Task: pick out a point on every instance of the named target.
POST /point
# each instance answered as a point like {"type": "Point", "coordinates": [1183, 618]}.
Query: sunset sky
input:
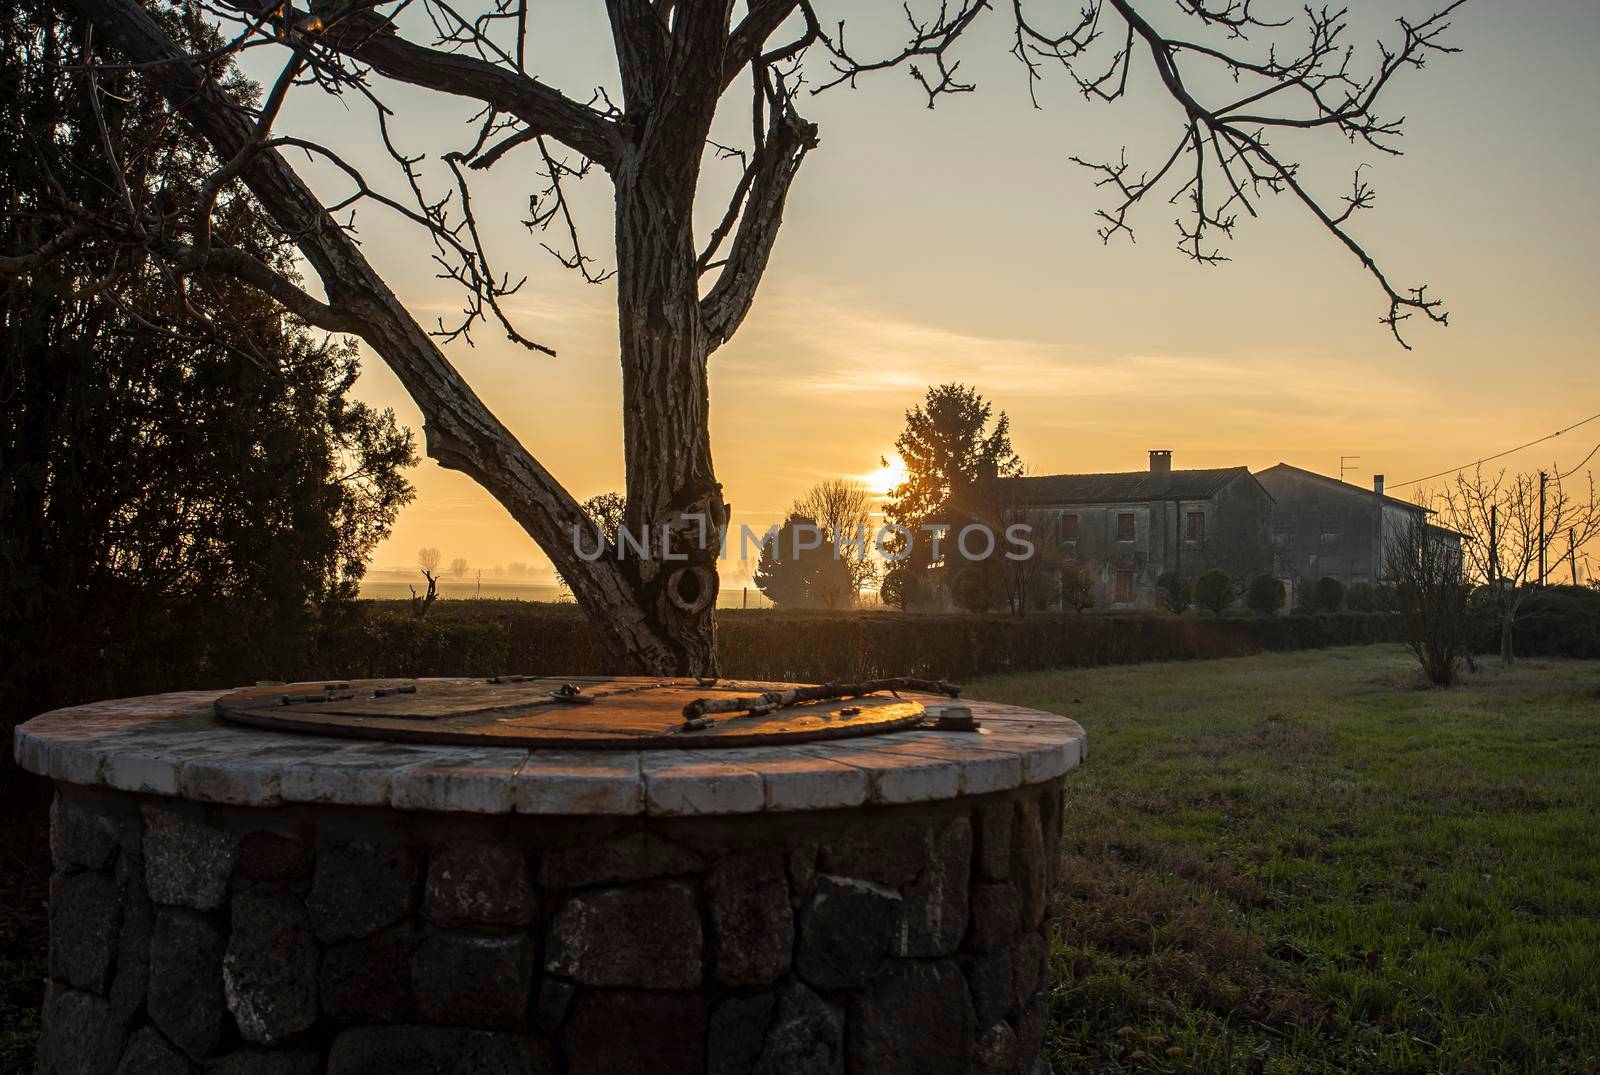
{"type": "Point", "coordinates": [959, 245]}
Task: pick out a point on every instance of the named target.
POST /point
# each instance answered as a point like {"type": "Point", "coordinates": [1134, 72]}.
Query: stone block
{"type": "Point", "coordinates": [752, 924]}
{"type": "Point", "coordinates": [478, 884]}
{"type": "Point", "coordinates": [1030, 1026]}
{"type": "Point", "coordinates": [806, 1036]}
{"type": "Point", "coordinates": [85, 913]}
{"type": "Point", "coordinates": [846, 929]}
{"type": "Point", "coordinates": [368, 979]}
{"type": "Point", "coordinates": [638, 856]}
{"type": "Point", "coordinates": [462, 979]}
{"type": "Point", "coordinates": [994, 841]}
{"type": "Point", "coordinates": [185, 997]}
{"type": "Point", "coordinates": [935, 918]}
{"type": "Point", "coordinates": [80, 1035]}
{"type": "Point", "coordinates": [644, 936]}
{"type": "Point", "coordinates": [148, 1053]}
{"type": "Point", "coordinates": [360, 887]}
{"type": "Point", "coordinates": [682, 783]}
{"type": "Point", "coordinates": [265, 1062]}
{"type": "Point", "coordinates": [427, 1050]}
{"type": "Point", "coordinates": [737, 1033]}
{"type": "Point", "coordinates": [1051, 805]}
{"type": "Point", "coordinates": [187, 861]}
{"type": "Point", "coordinates": [996, 1052]}
{"type": "Point", "coordinates": [996, 915]}
{"type": "Point", "coordinates": [611, 1031]}
{"type": "Point", "coordinates": [803, 871]}
{"type": "Point", "coordinates": [1028, 863]}
{"type": "Point", "coordinates": [916, 1017]}
{"type": "Point", "coordinates": [555, 997]}
{"type": "Point", "coordinates": [1030, 966]}
{"type": "Point", "coordinates": [888, 853]}
{"type": "Point", "coordinates": [272, 856]}
{"type": "Point", "coordinates": [80, 837]}
{"type": "Point", "coordinates": [992, 984]}
{"type": "Point", "coordinates": [132, 972]}
{"type": "Point", "coordinates": [269, 974]}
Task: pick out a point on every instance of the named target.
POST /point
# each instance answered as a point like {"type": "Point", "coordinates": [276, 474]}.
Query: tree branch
{"type": "Point", "coordinates": [371, 39]}
{"type": "Point", "coordinates": [765, 188]}
{"type": "Point", "coordinates": [462, 434]}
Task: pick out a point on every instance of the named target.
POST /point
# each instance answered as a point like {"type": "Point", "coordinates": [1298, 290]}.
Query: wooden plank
{"type": "Point", "coordinates": [618, 713]}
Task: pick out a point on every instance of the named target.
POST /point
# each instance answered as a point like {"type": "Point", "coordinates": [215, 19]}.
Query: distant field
{"type": "Point", "coordinates": [1303, 863]}
{"type": "Point", "coordinates": [396, 586]}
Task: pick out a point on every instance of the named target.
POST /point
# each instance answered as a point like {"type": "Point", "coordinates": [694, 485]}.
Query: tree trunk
{"type": "Point", "coordinates": [1506, 656]}
{"type": "Point", "coordinates": [675, 511]}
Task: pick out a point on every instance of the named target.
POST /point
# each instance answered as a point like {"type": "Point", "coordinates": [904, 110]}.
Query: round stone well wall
{"type": "Point", "coordinates": [231, 900]}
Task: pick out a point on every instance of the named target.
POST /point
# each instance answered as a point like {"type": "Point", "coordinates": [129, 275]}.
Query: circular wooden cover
{"type": "Point", "coordinates": [584, 713]}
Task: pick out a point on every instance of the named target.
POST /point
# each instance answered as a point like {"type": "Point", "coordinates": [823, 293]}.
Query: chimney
{"type": "Point", "coordinates": [1160, 470]}
{"type": "Point", "coordinates": [1377, 484]}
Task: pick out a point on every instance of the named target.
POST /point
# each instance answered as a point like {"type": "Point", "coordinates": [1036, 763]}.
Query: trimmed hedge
{"type": "Point", "coordinates": [496, 637]}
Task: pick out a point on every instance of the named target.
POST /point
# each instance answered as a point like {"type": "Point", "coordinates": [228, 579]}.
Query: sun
{"type": "Point", "coordinates": [887, 477]}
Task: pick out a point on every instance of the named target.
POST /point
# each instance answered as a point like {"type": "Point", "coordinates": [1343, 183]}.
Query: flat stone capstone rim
{"type": "Point", "coordinates": [175, 745]}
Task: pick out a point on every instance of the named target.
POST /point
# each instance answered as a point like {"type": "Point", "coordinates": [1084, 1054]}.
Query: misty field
{"type": "Point", "coordinates": [1303, 862]}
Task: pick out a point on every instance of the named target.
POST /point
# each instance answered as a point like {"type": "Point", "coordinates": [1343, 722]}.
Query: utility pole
{"type": "Point", "coordinates": [1494, 551]}
{"type": "Point", "coordinates": [1572, 554]}
{"type": "Point", "coordinates": [1543, 478]}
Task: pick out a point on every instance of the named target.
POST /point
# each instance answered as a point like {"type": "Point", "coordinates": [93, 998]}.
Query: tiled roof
{"type": "Point", "coordinates": [1127, 486]}
{"type": "Point", "coordinates": [1286, 471]}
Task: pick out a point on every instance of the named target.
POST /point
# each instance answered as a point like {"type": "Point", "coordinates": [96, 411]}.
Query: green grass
{"type": "Point", "coordinates": [1305, 862]}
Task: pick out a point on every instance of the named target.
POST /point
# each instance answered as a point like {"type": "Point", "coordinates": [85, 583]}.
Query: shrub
{"type": "Point", "coordinates": [1077, 589]}
{"type": "Point", "coordinates": [974, 590]}
{"type": "Point", "coordinates": [1174, 591]}
{"type": "Point", "coordinates": [1361, 597]}
{"type": "Point", "coordinates": [1329, 594]}
{"type": "Point", "coordinates": [1214, 590]}
{"type": "Point", "coordinates": [470, 637]}
{"type": "Point", "coordinates": [1559, 621]}
{"type": "Point", "coordinates": [900, 588]}
{"type": "Point", "coordinates": [1265, 595]}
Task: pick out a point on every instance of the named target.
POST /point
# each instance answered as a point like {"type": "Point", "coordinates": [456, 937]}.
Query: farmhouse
{"type": "Point", "coordinates": [1324, 527]}
{"type": "Point", "coordinates": [1129, 528]}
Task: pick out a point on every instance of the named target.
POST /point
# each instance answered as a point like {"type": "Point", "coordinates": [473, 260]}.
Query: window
{"type": "Point", "coordinates": [1125, 526]}
{"type": "Point", "coordinates": [1123, 591]}
{"type": "Point", "coordinates": [1069, 528]}
{"type": "Point", "coordinates": [1330, 527]}
{"type": "Point", "coordinates": [1282, 529]}
{"type": "Point", "coordinates": [1195, 530]}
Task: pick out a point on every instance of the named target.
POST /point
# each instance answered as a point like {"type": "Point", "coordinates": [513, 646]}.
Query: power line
{"type": "Point", "coordinates": [1498, 455]}
{"type": "Point", "coordinates": [1579, 467]}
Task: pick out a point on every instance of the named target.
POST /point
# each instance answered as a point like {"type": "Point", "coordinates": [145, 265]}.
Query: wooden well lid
{"type": "Point", "coordinates": [574, 713]}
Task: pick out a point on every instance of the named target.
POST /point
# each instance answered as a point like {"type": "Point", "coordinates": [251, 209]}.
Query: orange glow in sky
{"type": "Point", "coordinates": [959, 244]}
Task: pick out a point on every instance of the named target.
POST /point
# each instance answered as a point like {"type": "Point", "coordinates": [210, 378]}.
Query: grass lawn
{"type": "Point", "coordinates": [1305, 862]}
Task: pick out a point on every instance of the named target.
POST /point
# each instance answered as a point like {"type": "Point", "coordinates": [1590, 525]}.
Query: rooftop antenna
{"type": "Point", "coordinates": [1344, 461]}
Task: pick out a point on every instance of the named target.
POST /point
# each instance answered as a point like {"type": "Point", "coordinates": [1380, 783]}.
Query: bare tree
{"type": "Point", "coordinates": [1026, 549]}
{"type": "Point", "coordinates": [420, 603]}
{"type": "Point", "coordinates": [1508, 525]}
{"type": "Point", "coordinates": [843, 509]}
{"type": "Point", "coordinates": [428, 560]}
{"type": "Point", "coordinates": [1236, 81]}
{"type": "Point", "coordinates": [1424, 564]}
{"type": "Point", "coordinates": [458, 567]}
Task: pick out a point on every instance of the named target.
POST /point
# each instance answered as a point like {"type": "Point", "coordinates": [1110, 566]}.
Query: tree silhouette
{"type": "Point", "coordinates": [1235, 80]}
{"type": "Point", "coordinates": [949, 448]}
{"type": "Point", "coordinates": [843, 509]}
{"type": "Point", "coordinates": [799, 568]}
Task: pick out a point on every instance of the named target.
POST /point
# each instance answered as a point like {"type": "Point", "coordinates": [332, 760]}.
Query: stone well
{"type": "Point", "coordinates": [228, 899]}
